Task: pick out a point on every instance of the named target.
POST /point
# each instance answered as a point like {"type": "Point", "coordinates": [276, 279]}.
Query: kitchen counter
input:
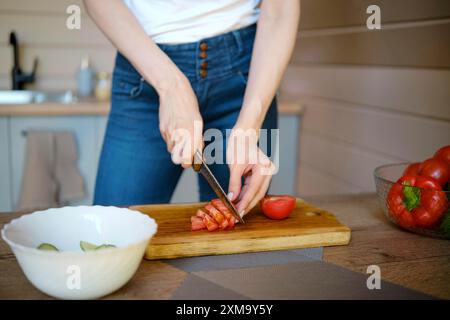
{"type": "Point", "coordinates": [410, 264]}
{"type": "Point", "coordinates": [91, 107]}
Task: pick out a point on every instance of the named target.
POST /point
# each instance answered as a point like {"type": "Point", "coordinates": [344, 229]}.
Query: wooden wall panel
{"type": "Point", "coordinates": [317, 14]}
{"type": "Point", "coordinates": [313, 181]}
{"type": "Point", "coordinates": [41, 30]}
{"type": "Point", "coordinates": [399, 136]}
{"type": "Point", "coordinates": [342, 160]}
{"type": "Point", "coordinates": [422, 92]}
{"type": "Point", "coordinates": [57, 61]}
{"type": "Point", "coordinates": [370, 97]}
{"type": "Point", "coordinates": [49, 29]}
{"type": "Point", "coordinates": [53, 83]}
{"type": "Point", "coordinates": [425, 46]}
{"type": "Point", "coordinates": [38, 6]}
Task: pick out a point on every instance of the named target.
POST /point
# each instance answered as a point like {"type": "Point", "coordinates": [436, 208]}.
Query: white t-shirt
{"type": "Point", "coordinates": [183, 21]}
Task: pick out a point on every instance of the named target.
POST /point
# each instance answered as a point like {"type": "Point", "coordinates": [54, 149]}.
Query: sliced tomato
{"type": "Point", "coordinates": [200, 213]}
{"type": "Point", "coordinates": [219, 205]}
{"type": "Point", "coordinates": [224, 209]}
{"type": "Point", "coordinates": [217, 215]}
{"type": "Point", "coordinates": [197, 223]}
{"type": "Point", "coordinates": [210, 223]}
{"type": "Point", "coordinates": [231, 221]}
{"type": "Point", "coordinates": [277, 207]}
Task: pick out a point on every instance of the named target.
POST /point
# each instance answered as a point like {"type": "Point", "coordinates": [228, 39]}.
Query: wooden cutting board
{"type": "Point", "coordinates": [307, 227]}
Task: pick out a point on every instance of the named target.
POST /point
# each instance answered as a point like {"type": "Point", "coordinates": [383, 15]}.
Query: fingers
{"type": "Point", "coordinates": [234, 186]}
{"type": "Point", "coordinates": [189, 149]}
{"type": "Point", "coordinates": [253, 184]}
{"type": "Point", "coordinates": [182, 143]}
{"type": "Point", "coordinates": [177, 152]}
{"type": "Point", "coordinates": [260, 194]}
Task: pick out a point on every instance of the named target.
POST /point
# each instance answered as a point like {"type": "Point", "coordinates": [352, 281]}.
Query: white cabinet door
{"type": "Point", "coordinates": [5, 167]}
{"type": "Point", "coordinates": [85, 131]}
{"type": "Point", "coordinates": [283, 182]}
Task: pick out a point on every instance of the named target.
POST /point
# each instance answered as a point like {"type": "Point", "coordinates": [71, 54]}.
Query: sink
{"type": "Point", "coordinates": [28, 97]}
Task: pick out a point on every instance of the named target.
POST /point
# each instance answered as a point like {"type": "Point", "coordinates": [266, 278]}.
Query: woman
{"type": "Point", "coordinates": [188, 66]}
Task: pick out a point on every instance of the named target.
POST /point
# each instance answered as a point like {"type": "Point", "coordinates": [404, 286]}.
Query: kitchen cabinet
{"type": "Point", "coordinates": [5, 165]}
{"type": "Point", "coordinates": [85, 130]}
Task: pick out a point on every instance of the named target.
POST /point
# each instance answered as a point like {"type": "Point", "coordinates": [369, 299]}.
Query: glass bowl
{"type": "Point", "coordinates": [386, 177]}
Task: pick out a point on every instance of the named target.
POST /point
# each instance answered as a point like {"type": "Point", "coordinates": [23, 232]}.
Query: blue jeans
{"type": "Point", "coordinates": [135, 166]}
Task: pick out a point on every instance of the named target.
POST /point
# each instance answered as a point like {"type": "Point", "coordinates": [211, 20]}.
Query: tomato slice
{"type": "Point", "coordinates": [217, 215]}
{"type": "Point", "coordinates": [277, 207]}
{"type": "Point", "coordinates": [211, 225]}
{"type": "Point", "coordinates": [197, 223]}
{"type": "Point", "coordinates": [200, 213]}
{"type": "Point", "coordinates": [219, 205]}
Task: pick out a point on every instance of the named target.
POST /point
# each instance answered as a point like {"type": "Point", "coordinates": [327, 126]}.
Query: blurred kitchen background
{"type": "Point", "coordinates": [352, 98]}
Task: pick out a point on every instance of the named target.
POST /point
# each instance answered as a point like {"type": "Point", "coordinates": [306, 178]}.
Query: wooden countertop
{"type": "Point", "coordinates": [410, 260]}
{"type": "Point", "coordinates": [406, 259]}
{"type": "Point", "coordinates": [81, 108]}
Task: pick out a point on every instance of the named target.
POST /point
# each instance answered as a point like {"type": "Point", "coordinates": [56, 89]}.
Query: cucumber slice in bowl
{"type": "Point", "coordinates": [47, 247]}
{"type": "Point", "coordinates": [87, 246]}
{"type": "Point", "coordinates": [105, 246]}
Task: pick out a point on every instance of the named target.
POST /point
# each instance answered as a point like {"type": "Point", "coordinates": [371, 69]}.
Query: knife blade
{"type": "Point", "coordinates": [201, 167]}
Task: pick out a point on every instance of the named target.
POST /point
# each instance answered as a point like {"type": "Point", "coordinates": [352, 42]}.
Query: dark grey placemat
{"type": "Point", "coordinates": [196, 288]}
{"type": "Point", "coordinates": [304, 280]}
{"type": "Point", "coordinates": [245, 260]}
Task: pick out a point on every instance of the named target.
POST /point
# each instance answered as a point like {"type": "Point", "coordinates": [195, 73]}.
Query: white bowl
{"type": "Point", "coordinates": [72, 273]}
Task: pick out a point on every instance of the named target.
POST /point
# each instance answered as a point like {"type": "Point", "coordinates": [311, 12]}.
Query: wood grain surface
{"type": "Point", "coordinates": [407, 259]}
{"type": "Point", "coordinates": [306, 227]}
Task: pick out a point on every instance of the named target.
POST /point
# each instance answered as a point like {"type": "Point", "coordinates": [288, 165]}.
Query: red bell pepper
{"type": "Point", "coordinates": [416, 201]}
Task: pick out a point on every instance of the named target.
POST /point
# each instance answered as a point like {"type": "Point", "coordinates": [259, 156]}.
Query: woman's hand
{"type": "Point", "coordinates": [247, 160]}
{"type": "Point", "coordinates": [180, 121]}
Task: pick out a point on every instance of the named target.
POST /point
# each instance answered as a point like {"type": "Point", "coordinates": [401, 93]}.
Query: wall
{"type": "Point", "coordinates": [41, 30]}
{"type": "Point", "coordinates": [371, 96]}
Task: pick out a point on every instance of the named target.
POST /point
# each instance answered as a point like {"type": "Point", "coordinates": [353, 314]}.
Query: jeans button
{"type": "Point", "coordinates": [203, 46]}
{"type": "Point", "coordinates": [203, 54]}
{"type": "Point", "coordinates": [203, 73]}
{"type": "Point", "coordinates": [204, 65]}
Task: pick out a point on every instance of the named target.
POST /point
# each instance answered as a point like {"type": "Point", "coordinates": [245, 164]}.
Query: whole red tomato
{"type": "Point", "coordinates": [437, 169]}
{"type": "Point", "coordinates": [416, 201]}
{"type": "Point", "coordinates": [412, 169]}
{"type": "Point", "coordinates": [443, 154]}
{"type": "Point", "coordinates": [277, 207]}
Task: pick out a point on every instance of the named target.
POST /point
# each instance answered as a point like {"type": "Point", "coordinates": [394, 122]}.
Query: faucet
{"type": "Point", "coordinates": [19, 78]}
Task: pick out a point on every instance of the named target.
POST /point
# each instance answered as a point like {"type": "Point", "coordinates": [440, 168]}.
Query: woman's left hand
{"type": "Point", "coordinates": [246, 159]}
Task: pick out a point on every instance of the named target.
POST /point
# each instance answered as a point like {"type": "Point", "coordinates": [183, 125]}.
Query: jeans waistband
{"type": "Point", "coordinates": [210, 57]}
{"type": "Point", "coordinates": [236, 38]}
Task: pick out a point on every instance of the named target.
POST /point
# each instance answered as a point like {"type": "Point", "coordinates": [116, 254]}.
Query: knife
{"type": "Point", "coordinates": [200, 166]}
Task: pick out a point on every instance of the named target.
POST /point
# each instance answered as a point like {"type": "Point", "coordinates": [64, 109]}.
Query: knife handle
{"type": "Point", "coordinates": [198, 160]}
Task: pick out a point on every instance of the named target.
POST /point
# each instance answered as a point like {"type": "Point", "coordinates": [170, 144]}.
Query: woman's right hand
{"type": "Point", "coordinates": [180, 122]}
